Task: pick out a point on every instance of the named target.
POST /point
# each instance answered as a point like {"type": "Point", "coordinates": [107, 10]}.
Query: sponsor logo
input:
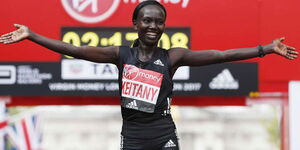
{"type": "Point", "coordinates": [131, 72]}
{"type": "Point", "coordinates": [7, 74]}
{"type": "Point", "coordinates": [170, 143]}
{"type": "Point", "coordinates": [158, 62]}
{"type": "Point", "coordinates": [76, 69]}
{"type": "Point", "coordinates": [90, 11]}
{"type": "Point", "coordinates": [94, 11]}
{"type": "Point", "coordinates": [132, 105]}
{"type": "Point", "coordinates": [224, 81]}
{"type": "Point", "coordinates": [141, 84]}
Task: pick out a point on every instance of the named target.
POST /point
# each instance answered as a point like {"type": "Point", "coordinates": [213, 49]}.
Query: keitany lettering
{"type": "Point", "coordinates": [138, 90]}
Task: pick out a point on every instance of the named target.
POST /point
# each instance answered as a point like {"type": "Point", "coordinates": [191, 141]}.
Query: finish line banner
{"type": "Point", "coordinates": [73, 77]}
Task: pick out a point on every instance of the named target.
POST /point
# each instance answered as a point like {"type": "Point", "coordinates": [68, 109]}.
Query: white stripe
{"type": "Point", "coordinates": [20, 136]}
{"type": "Point", "coordinates": [4, 73]}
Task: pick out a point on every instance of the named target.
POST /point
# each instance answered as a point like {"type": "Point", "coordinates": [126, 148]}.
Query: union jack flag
{"type": "Point", "coordinates": [25, 133]}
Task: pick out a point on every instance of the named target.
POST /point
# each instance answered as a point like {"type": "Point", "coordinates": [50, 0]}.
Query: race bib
{"type": "Point", "coordinates": [140, 88]}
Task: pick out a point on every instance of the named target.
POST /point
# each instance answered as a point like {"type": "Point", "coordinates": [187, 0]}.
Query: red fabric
{"type": "Point", "coordinates": [3, 124]}
{"type": "Point", "coordinates": [26, 134]}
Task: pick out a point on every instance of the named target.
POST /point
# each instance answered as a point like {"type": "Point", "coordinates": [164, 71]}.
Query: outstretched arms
{"type": "Point", "coordinates": [184, 57]}
{"type": "Point", "coordinates": [96, 54]}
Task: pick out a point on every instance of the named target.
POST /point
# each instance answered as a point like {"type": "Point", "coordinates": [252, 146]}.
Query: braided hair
{"type": "Point", "coordinates": [137, 10]}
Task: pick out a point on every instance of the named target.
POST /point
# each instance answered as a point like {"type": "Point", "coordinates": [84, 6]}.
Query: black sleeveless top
{"type": "Point", "coordinates": [145, 90]}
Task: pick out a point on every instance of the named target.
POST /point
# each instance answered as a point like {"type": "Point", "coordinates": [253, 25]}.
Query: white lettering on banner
{"type": "Point", "coordinates": [177, 87]}
{"type": "Point", "coordinates": [111, 86]}
{"type": "Point", "coordinates": [89, 86]}
{"type": "Point", "coordinates": [193, 86]}
{"type": "Point", "coordinates": [27, 74]}
{"type": "Point", "coordinates": [141, 84]}
{"type": "Point", "coordinates": [86, 86]}
{"type": "Point", "coordinates": [62, 86]}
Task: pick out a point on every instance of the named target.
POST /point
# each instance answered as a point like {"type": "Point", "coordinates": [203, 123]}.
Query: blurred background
{"type": "Point", "coordinates": [49, 101]}
{"type": "Point", "coordinates": [205, 128]}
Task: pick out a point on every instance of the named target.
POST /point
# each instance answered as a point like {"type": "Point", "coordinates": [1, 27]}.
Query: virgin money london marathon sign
{"type": "Point", "coordinates": [53, 79]}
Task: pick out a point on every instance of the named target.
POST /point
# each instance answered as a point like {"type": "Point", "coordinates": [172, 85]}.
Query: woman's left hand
{"type": "Point", "coordinates": [284, 50]}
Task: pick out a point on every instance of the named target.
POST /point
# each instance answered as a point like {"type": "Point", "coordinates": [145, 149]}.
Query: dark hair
{"type": "Point", "coordinates": [146, 3]}
{"type": "Point", "coordinates": [142, 5]}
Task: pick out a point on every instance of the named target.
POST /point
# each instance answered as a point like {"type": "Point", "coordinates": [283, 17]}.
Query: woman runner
{"type": "Point", "coordinates": [146, 71]}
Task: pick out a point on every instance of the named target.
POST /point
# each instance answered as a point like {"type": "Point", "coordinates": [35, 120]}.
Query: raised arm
{"type": "Point", "coordinates": [95, 54]}
{"type": "Point", "coordinates": [184, 57]}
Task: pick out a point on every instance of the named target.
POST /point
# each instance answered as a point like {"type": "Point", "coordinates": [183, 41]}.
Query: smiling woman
{"type": "Point", "coordinates": [146, 71]}
{"type": "Point", "coordinates": [149, 22]}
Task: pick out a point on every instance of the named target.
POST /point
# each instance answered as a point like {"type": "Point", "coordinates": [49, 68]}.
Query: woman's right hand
{"type": "Point", "coordinates": [18, 35]}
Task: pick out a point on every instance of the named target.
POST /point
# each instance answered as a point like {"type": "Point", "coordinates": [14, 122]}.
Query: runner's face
{"type": "Point", "coordinates": [150, 24]}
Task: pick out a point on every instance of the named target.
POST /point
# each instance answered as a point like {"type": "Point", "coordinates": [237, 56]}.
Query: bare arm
{"type": "Point", "coordinates": [96, 54]}
{"type": "Point", "coordinates": [184, 57]}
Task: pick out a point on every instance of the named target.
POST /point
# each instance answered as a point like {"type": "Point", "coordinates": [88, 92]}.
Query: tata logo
{"type": "Point", "coordinates": [90, 11]}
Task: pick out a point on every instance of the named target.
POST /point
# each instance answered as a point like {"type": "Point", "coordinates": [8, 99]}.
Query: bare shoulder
{"type": "Point", "coordinates": [178, 52]}
{"type": "Point", "coordinates": [114, 49]}
{"type": "Point", "coordinates": [176, 56]}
